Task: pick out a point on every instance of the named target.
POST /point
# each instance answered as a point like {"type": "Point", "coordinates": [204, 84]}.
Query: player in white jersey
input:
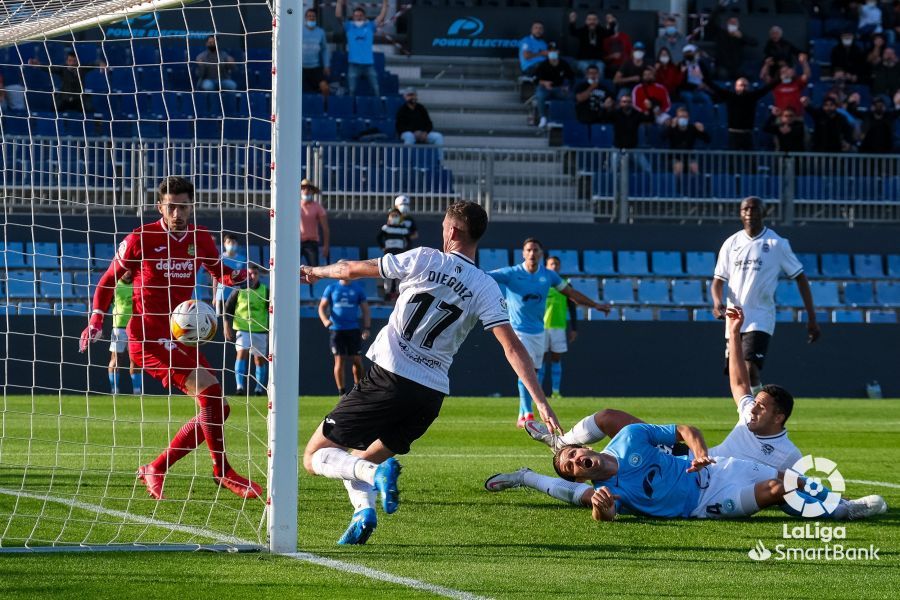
{"type": "Point", "coordinates": [442, 295]}
{"type": "Point", "coordinates": [750, 262]}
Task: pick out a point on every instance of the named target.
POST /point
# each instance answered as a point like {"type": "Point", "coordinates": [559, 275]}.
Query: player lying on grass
{"type": "Point", "coordinates": [164, 258]}
{"type": "Point", "coordinates": [442, 295]}
{"type": "Point", "coordinates": [732, 487]}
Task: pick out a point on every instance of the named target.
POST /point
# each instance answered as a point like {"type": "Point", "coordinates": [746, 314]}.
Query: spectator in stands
{"type": "Point", "coordinates": [788, 130]}
{"type": "Point", "coordinates": [532, 49]}
{"type": "Point", "coordinates": [668, 73]}
{"type": "Point", "coordinates": [590, 95]}
{"type": "Point", "coordinates": [878, 128]}
{"type": "Point", "coordinates": [393, 238]}
{"type": "Point", "coordinates": [873, 58]}
{"type": "Point", "coordinates": [831, 131]}
{"type": "Point", "coordinates": [849, 57]}
{"type": "Point", "coordinates": [413, 122]}
{"type": "Point", "coordinates": [696, 71]}
{"type": "Point", "coordinates": [651, 97]}
{"type": "Point", "coordinates": [869, 19]}
{"type": "Point", "coordinates": [316, 57]}
{"type": "Point", "coordinates": [554, 77]}
{"type": "Point", "coordinates": [731, 44]}
{"type": "Point", "coordinates": [360, 32]}
{"type": "Point", "coordinates": [626, 121]}
{"type": "Point", "coordinates": [12, 96]}
{"type": "Point", "coordinates": [214, 68]}
{"type": "Point", "coordinates": [891, 22]}
{"type": "Point", "coordinates": [671, 40]}
{"type": "Point", "coordinates": [683, 135]}
{"type": "Point", "coordinates": [71, 96]}
{"type": "Point", "coordinates": [403, 204]}
{"type": "Point", "coordinates": [629, 74]}
{"type": "Point", "coordinates": [886, 75]}
{"type": "Point", "coordinates": [779, 49]}
{"type": "Point", "coordinates": [313, 216]}
{"type": "Point", "coordinates": [840, 88]}
{"type": "Point", "coordinates": [788, 88]}
{"type": "Point", "coordinates": [590, 39]}
{"type": "Point", "coordinates": [741, 105]}
{"type": "Point", "coordinates": [617, 48]}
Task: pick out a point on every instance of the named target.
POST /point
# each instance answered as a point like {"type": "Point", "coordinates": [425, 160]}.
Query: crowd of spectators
{"type": "Point", "coordinates": [772, 93]}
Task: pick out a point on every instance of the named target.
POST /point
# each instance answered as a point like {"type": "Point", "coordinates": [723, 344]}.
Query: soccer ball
{"type": "Point", "coordinates": [193, 323]}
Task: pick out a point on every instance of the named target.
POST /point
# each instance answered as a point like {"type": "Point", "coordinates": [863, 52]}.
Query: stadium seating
{"type": "Point", "coordinates": [667, 263]}
{"type": "Point", "coordinates": [653, 291]}
{"type": "Point", "coordinates": [881, 316]}
{"type": "Point", "coordinates": [587, 286]}
{"type": "Point", "coordinates": [674, 314]}
{"type": "Point", "coordinates": [618, 291]}
{"type": "Point", "coordinates": [810, 264]}
{"type": "Point", "coordinates": [859, 293]}
{"type": "Point", "coordinates": [888, 293]}
{"type": "Point", "coordinates": [784, 315]}
{"type": "Point", "coordinates": [825, 293]}
{"type": "Point", "coordinates": [632, 262]}
{"type": "Point", "coordinates": [599, 262]}
{"type": "Point", "coordinates": [868, 265]}
{"type": "Point", "coordinates": [786, 294]}
{"type": "Point", "coordinates": [703, 314]}
{"type": "Point", "coordinates": [836, 266]}
{"type": "Point", "coordinates": [633, 313]}
{"type": "Point", "coordinates": [893, 266]}
{"type": "Point", "coordinates": [847, 316]}
{"type": "Point", "coordinates": [599, 315]}
{"type": "Point", "coordinates": [687, 292]}
{"type": "Point", "coordinates": [488, 258]}
{"type": "Point", "coordinates": [568, 261]}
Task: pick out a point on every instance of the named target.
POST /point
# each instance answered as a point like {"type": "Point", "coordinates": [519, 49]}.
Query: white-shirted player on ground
{"type": "Point", "coordinates": [759, 437]}
{"type": "Point", "coordinates": [442, 295]}
{"type": "Point", "coordinates": [750, 262]}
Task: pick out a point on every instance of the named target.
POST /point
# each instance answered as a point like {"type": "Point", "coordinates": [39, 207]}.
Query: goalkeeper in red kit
{"type": "Point", "coordinates": [163, 257]}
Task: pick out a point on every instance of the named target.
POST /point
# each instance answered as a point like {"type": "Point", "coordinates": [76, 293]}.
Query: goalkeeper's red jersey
{"type": "Point", "coordinates": [164, 265]}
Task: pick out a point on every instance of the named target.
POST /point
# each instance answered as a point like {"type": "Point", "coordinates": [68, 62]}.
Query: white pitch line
{"type": "Point", "coordinates": [207, 533]}
{"type": "Point", "coordinates": [878, 483]}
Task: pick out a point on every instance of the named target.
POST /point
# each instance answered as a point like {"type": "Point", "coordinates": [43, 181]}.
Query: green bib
{"type": "Point", "coordinates": [557, 312]}
{"type": "Point", "coordinates": [122, 307]}
{"type": "Point", "coordinates": [252, 311]}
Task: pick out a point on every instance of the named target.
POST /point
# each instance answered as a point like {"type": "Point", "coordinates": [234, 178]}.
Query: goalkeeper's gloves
{"type": "Point", "coordinates": [92, 332]}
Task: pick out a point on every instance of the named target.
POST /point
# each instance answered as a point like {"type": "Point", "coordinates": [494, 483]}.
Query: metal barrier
{"type": "Point", "coordinates": [553, 184]}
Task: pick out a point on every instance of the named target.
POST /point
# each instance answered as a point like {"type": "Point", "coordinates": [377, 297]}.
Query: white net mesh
{"type": "Point", "coordinates": [90, 122]}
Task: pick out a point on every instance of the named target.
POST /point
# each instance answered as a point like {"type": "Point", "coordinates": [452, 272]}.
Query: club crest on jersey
{"type": "Point", "coordinates": [503, 305]}
{"type": "Point", "coordinates": [192, 253]}
{"type": "Point", "coordinates": [458, 269]}
{"type": "Point", "coordinates": [765, 247]}
{"type": "Point", "coordinates": [123, 247]}
{"type": "Point", "coordinates": [767, 449]}
{"type": "Point", "coordinates": [635, 460]}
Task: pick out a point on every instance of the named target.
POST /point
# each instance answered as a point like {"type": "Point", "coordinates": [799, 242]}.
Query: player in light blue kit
{"type": "Point", "coordinates": [527, 285]}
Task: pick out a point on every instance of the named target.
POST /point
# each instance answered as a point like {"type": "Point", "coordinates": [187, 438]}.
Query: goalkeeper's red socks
{"type": "Point", "coordinates": [185, 441]}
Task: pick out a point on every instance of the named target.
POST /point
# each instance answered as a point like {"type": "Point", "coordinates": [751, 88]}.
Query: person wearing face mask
{"type": "Point", "coordinates": [234, 258]}
{"type": "Point", "coordinates": [877, 127]}
{"type": "Point", "coordinates": [554, 77]}
{"type": "Point", "coordinates": [316, 57]}
{"type": "Point", "coordinates": [869, 19]}
{"type": "Point", "coordinates": [360, 32]}
{"type": "Point", "coordinates": [312, 216]}
{"type": "Point", "coordinates": [683, 135]}
{"type": "Point", "coordinates": [402, 203]}
{"type": "Point", "coordinates": [629, 74]}
{"type": "Point", "coordinates": [590, 40]}
{"type": "Point", "coordinates": [413, 123]}
{"type": "Point", "coordinates": [651, 97]}
{"type": "Point", "coordinates": [789, 131]}
{"type": "Point", "coordinates": [831, 131]}
{"type": "Point", "coordinates": [695, 70]}
{"type": "Point", "coordinates": [394, 237]}
{"type": "Point", "coordinates": [788, 88]}
{"type": "Point", "coordinates": [668, 74]}
{"type": "Point", "coordinates": [671, 40]}
{"type": "Point", "coordinates": [617, 48]}
{"type": "Point", "coordinates": [214, 67]}
{"type": "Point", "coordinates": [532, 49]}
{"type": "Point", "coordinates": [590, 94]}
{"type": "Point", "coordinates": [731, 45]}
{"type": "Point", "coordinates": [886, 75]}
{"type": "Point", "coordinates": [849, 57]}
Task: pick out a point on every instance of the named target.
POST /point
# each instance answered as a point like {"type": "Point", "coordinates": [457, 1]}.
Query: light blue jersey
{"type": "Point", "coordinates": [526, 295]}
{"type": "Point", "coordinates": [650, 481]}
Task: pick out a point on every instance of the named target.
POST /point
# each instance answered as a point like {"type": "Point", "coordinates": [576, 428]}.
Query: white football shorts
{"type": "Point", "coordinates": [118, 340]}
{"type": "Point", "coordinates": [555, 341]}
{"type": "Point", "coordinates": [257, 343]}
{"type": "Point", "coordinates": [727, 490]}
{"type": "Point", "coordinates": [534, 344]}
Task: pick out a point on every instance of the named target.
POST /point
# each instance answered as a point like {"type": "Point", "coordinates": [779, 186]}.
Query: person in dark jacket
{"type": "Point", "coordinates": [590, 95]}
{"type": "Point", "coordinates": [683, 135]}
{"type": "Point", "coordinates": [877, 128]}
{"type": "Point", "coordinates": [832, 132]}
{"type": "Point", "coordinates": [590, 39]}
{"type": "Point", "coordinates": [413, 123]}
{"type": "Point", "coordinates": [626, 121]}
{"type": "Point", "coordinates": [849, 57]}
{"type": "Point", "coordinates": [788, 130]}
{"type": "Point", "coordinates": [741, 104]}
{"type": "Point", "coordinates": [730, 46]}
{"type": "Point", "coordinates": [71, 96]}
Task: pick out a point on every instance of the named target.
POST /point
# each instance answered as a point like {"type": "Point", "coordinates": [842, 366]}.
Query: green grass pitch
{"type": "Point", "coordinates": [448, 531]}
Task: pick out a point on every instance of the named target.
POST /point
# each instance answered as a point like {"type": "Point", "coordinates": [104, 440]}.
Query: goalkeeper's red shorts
{"type": "Point", "coordinates": [169, 362]}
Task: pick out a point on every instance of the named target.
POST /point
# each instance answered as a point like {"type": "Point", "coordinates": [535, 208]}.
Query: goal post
{"type": "Point", "coordinates": [78, 171]}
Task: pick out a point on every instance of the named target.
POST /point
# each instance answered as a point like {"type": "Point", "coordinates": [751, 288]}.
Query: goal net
{"type": "Point", "coordinates": [99, 101]}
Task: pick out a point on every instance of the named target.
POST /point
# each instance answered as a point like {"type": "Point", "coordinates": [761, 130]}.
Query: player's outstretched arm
{"type": "Point", "coordinates": [521, 363]}
{"type": "Point", "coordinates": [103, 297]}
{"type": "Point", "coordinates": [738, 373]}
{"type": "Point", "coordinates": [582, 300]}
{"type": "Point", "coordinates": [717, 291]}
{"type": "Point", "coordinates": [693, 437]}
{"type": "Point", "coordinates": [348, 269]}
{"type": "Point", "coordinates": [812, 325]}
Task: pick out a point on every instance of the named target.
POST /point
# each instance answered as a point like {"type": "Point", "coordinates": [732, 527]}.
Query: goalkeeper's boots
{"type": "Point", "coordinates": [541, 433]}
{"type": "Point", "coordinates": [153, 480]}
{"type": "Point", "coordinates": [238, 485]}
{"type": "Point", "coordinates": [386, 483]}
{"type": "Point", "coordinates": [865, 507]}
{"type": "Point", "coordinates": [361, 527]}
{"type": "Point", "coordinates": [506, 481]}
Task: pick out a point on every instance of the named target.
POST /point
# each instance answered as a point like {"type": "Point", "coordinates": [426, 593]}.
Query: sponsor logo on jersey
{"type": "Point", "coordinates": [191, 250]}
{"type": "Point", "coordinates": [648, 479]}
{"type": "Point", "coordinates": [431, 363]}
{"type": "Point", "coordinates": [159, 248]}
{"type": "Point", "coordinates": [451, 282]}
{"type": "Point", "coordinates": [635, 460]}
{"type": "Point", "coordinates": [532, 298]}
{"type": "Point", "coordinates": [177, 269]}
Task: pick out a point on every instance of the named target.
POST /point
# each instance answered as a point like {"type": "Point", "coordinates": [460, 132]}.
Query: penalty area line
{"type": "Point", "coordinates": [235, 541]}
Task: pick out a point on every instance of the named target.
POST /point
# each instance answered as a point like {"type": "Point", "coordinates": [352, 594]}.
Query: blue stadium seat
{"type": "Point", "coordinates": [888, 293]}
{"type": "Point", "coordinates": [340, 106]}
{"type": "Point", "coordinates": [881, 316]}
{"type": "Point", "coordinates": [687, 292]}
{"type": "Point", "coordinates": [381, 312]}
{"type": "Point", "coordinates": [599, 262]}
{"type": "Point", "coordinates": [45, 255]}
{"type": "Point", "coordinates": [54, 284]}
{"type": "Point", "coordinates": [869, 266]}
{"type": "Point", "coordinates": [666, 263]}
{"type": "Point", "coordinates": [35, 309]}
{"type": "Point", "coordinates": [371, 288]}
{"type": "Point", "coordinates": [764, 186]}
{"type": "Point", "coordinates": [810, 264]}
{"type": "Point", "coordinates": [576, 135]}
{"type": "Point", "coordinates": [392, 104]}
{"type": "Point", "coordinates": [313, 105]}
{"type": "Point", "coordinates": [822, 48]}
{"type": "Point", "coordinates": [785, 315]}
{"type": "Point", "coordinates": [375, 252]}
{"type": "Point", "coordinates": [568, 261]}
{"type": "Point", "coordinates": [893, 266]}
{"type": "Point", "coordinates": [370, 107]}
{"type": "Point", "coordinates": [836, 266]}
{"type": "Point", "coordinates": [858, 293]}
{"type": "Point", "coordinates": [14, 255]}
{"type": "Point", "coordinates": [653, 291]}
{"type": "Point", "coordinates": [71, 309]}
{"type": "Point", "coordinates": [309, 312]}
{"type": "Point", "coordinates": [847, 316]}
{"type": "Point", "coordinates": [75, 256]}
{"type": "Point", "coordinates": [560, 111]}
{"type": "Point", "coordinates": [723, 185]}
{"type": "Point", "coordinates": [632, 262]}
{"type": "Point", "coordinates": [825, 293]}
{"type": "Point", "coordinates": [631, 313]}
{"type": "Point", "coordinates": [20, 284]}
{"type": "Point", "coordinates": [786, 294]}
{"type": "Point", "coordinates": [587, 286]}
{"type": "Point", "coordinates": [488, 258]}
{"type": "Point", "coordinates": [599, 315]}
{"type": "Point", "coordinates": [323, 129]}
{"type": "Point", "coordinates": [704, 314]}
{"type": "Point", "coordinates": [618, 291]}
{"type": "Point", "coordinates": [306, 293]}
{"type": "Point", "coordinates": [701, 264]}
{"type": "Point", "coordinates": [674, 314]}
{"type": "Point", "coordinates": [822, 316]}
{"type": "Point", "coordinates": [601, 136]}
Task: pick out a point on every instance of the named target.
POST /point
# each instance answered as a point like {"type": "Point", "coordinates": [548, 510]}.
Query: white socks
{"type": "Point", "coordinates": [567, 491]}
{"type": "Point", "coordinates": [362, 495]}
{"type": "Point", "coordinates": [755, 389]}
{"type": "Point", "coordinates": [585, 431]}
{"type": "Point", "coordinates": [335, 463]}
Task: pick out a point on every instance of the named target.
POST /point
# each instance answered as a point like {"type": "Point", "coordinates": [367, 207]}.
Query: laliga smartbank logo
{"type": "Point", "coordinates": [815, 500]}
